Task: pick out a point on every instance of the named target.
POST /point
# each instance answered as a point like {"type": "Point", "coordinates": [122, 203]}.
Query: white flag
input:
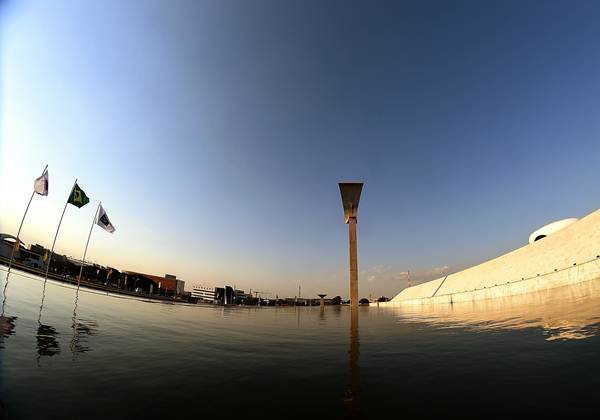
{"type": "Point", "coordinates": [103, 222]}
{"type": "Point", "coordinates": [41, 184]}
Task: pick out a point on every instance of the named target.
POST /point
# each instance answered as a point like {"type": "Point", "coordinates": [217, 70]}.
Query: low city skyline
{"type": "Point", "coordinates": [215, 136]}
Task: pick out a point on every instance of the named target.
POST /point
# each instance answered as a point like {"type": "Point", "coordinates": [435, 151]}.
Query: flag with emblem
{"type": "Point", "coordinates": [41, 184]}
{"type": "Point", "coordinates": [78, 197]}
{"type": "Point", "coordinates": [102, 220]}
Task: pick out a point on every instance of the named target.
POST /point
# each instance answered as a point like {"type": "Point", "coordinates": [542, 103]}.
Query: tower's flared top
{"type": "Point", "coordinates": [350, 197]}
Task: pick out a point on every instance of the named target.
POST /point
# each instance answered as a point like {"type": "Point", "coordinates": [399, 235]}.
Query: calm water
{"type": "Point", "coordinates": [112, 357]}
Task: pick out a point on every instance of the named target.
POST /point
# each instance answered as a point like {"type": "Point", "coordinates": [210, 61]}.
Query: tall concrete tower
{"type": "Point", "coordinates": [350, 197]}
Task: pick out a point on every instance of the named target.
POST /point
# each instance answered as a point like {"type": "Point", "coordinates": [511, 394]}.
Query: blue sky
{"type": "Point", "coordinates": [215, 133]}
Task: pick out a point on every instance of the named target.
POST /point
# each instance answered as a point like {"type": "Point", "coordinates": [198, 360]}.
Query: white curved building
{"type": "Point", "coordinates": [550, 228]}
{"type": "Point", "coordinates": [561, 253]}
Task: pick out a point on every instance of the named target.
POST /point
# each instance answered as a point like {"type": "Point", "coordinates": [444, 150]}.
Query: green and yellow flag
{"type": "Point", "coordinates": [78, 197]}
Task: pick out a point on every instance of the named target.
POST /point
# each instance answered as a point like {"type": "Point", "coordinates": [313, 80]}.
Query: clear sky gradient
{"type": "Point", "coordinates": [215, 133]}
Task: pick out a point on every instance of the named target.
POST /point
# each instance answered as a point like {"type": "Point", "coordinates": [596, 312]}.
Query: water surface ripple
{"type": "Point", "coordinates": [102, 356]}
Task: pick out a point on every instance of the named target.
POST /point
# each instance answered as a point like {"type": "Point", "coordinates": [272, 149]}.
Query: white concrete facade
{"type": "Point", "coordinates": [206, 293]}
{"type": "Point", "coordinates": [569, 255]}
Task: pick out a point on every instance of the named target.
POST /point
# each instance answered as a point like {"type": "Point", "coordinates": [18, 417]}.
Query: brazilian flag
{"type": "Point", "coordinates": [78, 197]}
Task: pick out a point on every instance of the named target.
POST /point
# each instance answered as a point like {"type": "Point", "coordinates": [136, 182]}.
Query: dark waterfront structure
{"type": "Point", "coordinates": [350, 197]}
{"type": "Point", "coordinates": [169, 285]}
{"type": "Point", "coordinates": [224, 295]}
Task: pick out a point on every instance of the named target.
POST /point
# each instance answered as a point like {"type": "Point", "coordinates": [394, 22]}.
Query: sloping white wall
{"type": "Point", "coordinates": [568, 256]}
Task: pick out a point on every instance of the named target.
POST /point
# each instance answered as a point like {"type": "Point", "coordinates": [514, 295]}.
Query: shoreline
{"type": "Point", "coordinates": [86, 284]}
{"type": "Point", "coordinates": [117, 291]}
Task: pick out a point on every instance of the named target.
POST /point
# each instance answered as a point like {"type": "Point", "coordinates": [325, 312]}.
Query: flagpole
{"type": "Point", "coordinates": [12, 254]}
{"type": "Point", "coordinates": [56, 234]}
{"type": "Point", "coordinates": [17, 243]}
{"type": "Point", "coordinates": [86, 245]}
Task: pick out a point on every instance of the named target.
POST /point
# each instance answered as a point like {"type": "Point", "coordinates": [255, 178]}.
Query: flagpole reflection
{"type": "Point", "coordinates": [7, 328]}
{"type": "Point", "coordinates": [81, 329]}
{"type": "Point", "coordinates": [47, 344]}
{"type": "Point", "coordinates": [72, 345]}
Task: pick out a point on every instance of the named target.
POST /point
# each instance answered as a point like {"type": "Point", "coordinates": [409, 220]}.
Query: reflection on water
{"type": "Point", "coordinates": [565, 313]}
{"type": "Point", "coordinates": [7, 327]}
{"type": "Point", "coordinates": [7, 323]}
{"type": "Point", "coordinates": [47, 343]}
{"type": "Point", "coordinates": [4, 294]}
{"type": "Point", "coordinates": [120, 358]}
{"type": "Point", "coordinates": [82, 329]}
{"type": "Point", "coordinates": [352, 396]}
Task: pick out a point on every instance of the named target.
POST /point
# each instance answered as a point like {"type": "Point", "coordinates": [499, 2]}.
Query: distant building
{"type": "Point", "coordinates": [67, 268]}
{"type": "Point", "coordinates": [240, 294]}
{"type": "Point", "coordinates": [38, 249]}
{"type": "Point", "coordinates": [33, 257]}
{"type": "Point", "coordinates": [224, 295]}
{"type": "Point", "coordinates": [7, 244]}
{"type": "Point", "coordinates": [204, 293]}
{"type": "Point", "coordinates": [149, 283]}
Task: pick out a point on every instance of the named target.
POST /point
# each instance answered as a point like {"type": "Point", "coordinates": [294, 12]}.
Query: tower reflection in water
{"type": "Point", "coordinates": [352, 396]}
